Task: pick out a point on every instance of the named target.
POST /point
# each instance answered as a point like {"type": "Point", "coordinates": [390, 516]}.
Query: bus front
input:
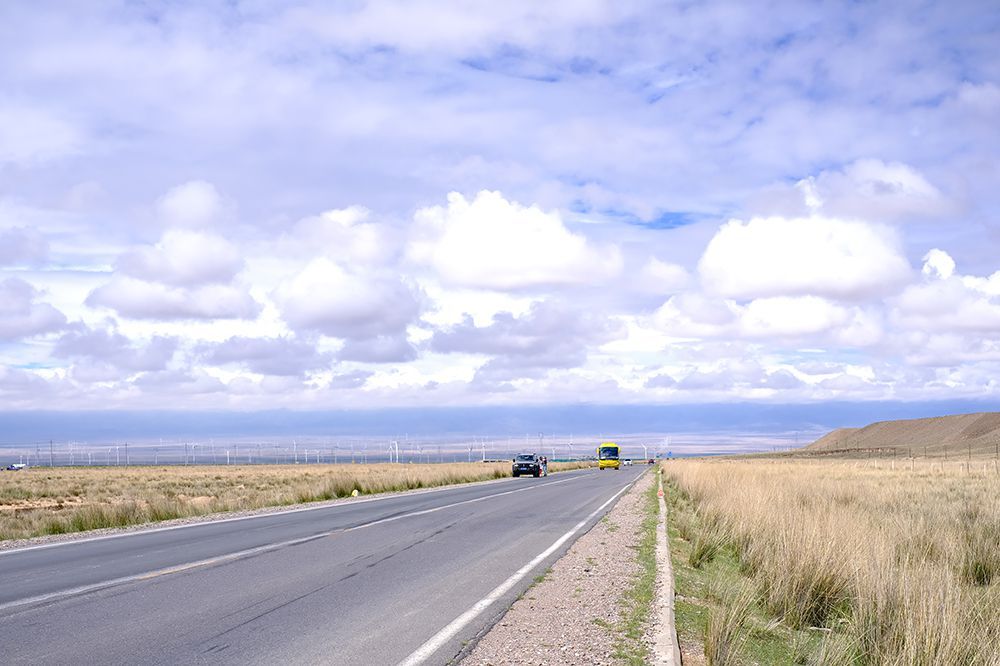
{"type": "Point", "coordinates": [607, 456]}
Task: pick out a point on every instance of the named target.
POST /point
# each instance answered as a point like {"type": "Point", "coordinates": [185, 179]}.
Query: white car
{"type": "Point", "coordinates": [627, 461]}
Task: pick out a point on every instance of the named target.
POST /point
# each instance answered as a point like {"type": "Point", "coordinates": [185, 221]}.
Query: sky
{"type": "Point", "coordinates": [394, 205]}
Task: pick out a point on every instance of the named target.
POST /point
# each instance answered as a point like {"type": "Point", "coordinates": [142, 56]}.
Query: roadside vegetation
{"type": "Point", "coordinates": [637, 600]}
{"type": "Point", "coordinates": [59, 500]}
{"type": "Point", "coordinates": [835, 562]}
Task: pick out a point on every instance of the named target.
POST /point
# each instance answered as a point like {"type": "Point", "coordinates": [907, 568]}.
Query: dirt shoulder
{"type": "Point", "coordinates": [578, 612]}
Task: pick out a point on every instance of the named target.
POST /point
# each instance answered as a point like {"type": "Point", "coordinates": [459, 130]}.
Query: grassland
{"type": "Point", "coordinates": [837, 562]}
{"type": "Point", "coordinates": [59, 500]}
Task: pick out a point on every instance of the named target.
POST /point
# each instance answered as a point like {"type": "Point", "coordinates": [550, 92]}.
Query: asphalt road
{"type": "Point", "coordinates": [411, 578]}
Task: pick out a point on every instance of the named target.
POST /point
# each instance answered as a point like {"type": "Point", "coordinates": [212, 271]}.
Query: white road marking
{"type": "Point", "coordinates": [425, 651]}
{"type": "Point", "coordinates": [93, 587]}
{"type": "Point", "coordinates": [343, 502]}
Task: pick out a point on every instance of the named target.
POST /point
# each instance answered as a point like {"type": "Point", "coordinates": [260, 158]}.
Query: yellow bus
{"type": "Point", "coordinates": [607, 456]}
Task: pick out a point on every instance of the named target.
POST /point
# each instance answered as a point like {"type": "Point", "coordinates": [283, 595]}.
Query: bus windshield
{"type": "Point", "coordinates": [608, 453]}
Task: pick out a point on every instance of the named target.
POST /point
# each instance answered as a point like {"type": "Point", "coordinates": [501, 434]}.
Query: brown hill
{"type": "Point", "coordinates": [938, 436]}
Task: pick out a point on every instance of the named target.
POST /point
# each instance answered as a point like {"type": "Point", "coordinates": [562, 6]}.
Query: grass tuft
{"type": "Point", "coordinates": [848, 563]}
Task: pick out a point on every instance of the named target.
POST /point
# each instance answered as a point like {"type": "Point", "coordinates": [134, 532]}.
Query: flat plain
{"type": "Point", "coordinates": [57, 500]}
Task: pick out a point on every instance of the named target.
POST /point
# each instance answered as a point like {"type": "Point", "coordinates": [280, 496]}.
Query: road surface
{"type": "Point", "coordinates": [411, 578]}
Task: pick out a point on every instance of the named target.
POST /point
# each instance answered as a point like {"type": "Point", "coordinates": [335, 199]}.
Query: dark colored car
{"type": "Point", "coordinates": [529, 463]}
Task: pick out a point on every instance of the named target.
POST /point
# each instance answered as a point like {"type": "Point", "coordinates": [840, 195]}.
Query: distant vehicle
{"type": "Point", "coordinates": [650, 461]}
{"type": "Point", "coordinates": [530, 463]}
{"type": "Point", "coordinates": [607, 456]}
{"type": "Point", "coordinates": [13, 467]}
{"type": "Point", "coordinates": [627, 461]}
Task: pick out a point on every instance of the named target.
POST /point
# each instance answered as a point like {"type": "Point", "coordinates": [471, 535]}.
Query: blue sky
{"type": "Point", "coordinates": [247, 205]}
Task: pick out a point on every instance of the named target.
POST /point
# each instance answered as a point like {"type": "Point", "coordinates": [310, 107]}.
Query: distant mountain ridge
{"type": "Point", "coordinates": [940, 435]}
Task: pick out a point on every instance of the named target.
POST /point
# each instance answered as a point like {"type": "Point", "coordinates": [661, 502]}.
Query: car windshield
{"type": "Point", "coordinates": [609, 453]}
{"type": "Point", "coordinates": [525, 457]}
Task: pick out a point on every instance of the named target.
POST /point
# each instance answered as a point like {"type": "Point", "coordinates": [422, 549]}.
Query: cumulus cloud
{"type": "Point", "coordinates": [114, 349]}
{"type": "Point", "coordinates": [947, 301]}
{"type": "Point", "coordinates": [785, 316]}
{"type": "Point", "coordinates": [661, 381]}
{"type": "Point", "coordinates": [284, 356]}
{"type": "Point", "coordinates": [21, 387]}
{"type": "Point", "coordinates": [344, 235]}
{"type": "Point", "coordinates": [693, 314]}
{"type": "Point", "coordinates": [21, 315]}
{"type": "Point", "coordinates": [550, 334]}
{"type": "Point", "coordinates": [183, 258]}
{"type": "Point", "coordinates": [22, 245]}
{"type": "Point", "coordinates": [870, 189]}
{"type": "Point", "coordinates": [139, 299]}
{"type": "Point", "coordinates": [938, 263]}
{"type": "Point", "coordinates": [775, 318]}
{"type": "Point", "coordinates": [187, 382]}
{"type": "Point", "coordinates": [349, 380]}
{"type": "Point", "coordinates": [378, 349]}
{"type": "Point", "coordinates": [193, 204]}
{"type": "Point", "coordinates": [662, 277]}
{"type": "Point", "coordinates": [326, 298]}
{"type": "Point", "coordinates": [802, 256]}
{"type": "Point", "coordinates": [493, 243]}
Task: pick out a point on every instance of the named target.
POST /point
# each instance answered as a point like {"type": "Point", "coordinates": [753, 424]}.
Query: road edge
{"type": "Point", "coordinates": [666, 649]}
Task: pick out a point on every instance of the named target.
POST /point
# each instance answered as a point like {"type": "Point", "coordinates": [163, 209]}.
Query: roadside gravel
{"type": "Point", "coordinates": [571, 615]}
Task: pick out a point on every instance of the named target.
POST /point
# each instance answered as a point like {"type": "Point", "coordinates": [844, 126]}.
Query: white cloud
{"type": "Point", "coordinates": [662, 277]}
{"type": "Point", "coordinates": [22, 315]}
{"type": "Point", "coordinates": [115, 350]}
{"type": "Point", "coordinates": [344, 234]}
{"type": "Point", "coordinates": [326, 298]}
{"type": "Point", "coordinates": [193, 204]}
{"type": "Point", "coordinates": [378, 349]}
{"type": "Point", "coordinates": [938, 263]}
{"type": "Point", "coordinates": [550, 334]}
{"type": "Point", "coordinates": [193, 382]}
{"type": "Point", "coordinates": [695, 315]}
{"type": "Point", "coordinates": [784, 316]}
{"type": "Point", "coordinates": [22, 245]}
{"type": "Point", "coordinates": [268, 356]}
{"type": "Point", "coordinates": [802, 256]}
{"type": "Point", "coordinates": [602, 125]}
{"type": "Point", "coordinates": [139, 299]}
{"type": "Point", "coordinates": [493, 243]}
{"type": "Point", "coordinates": [184, 258]}
{"type": "Point", "coordinates": [870, 189]}
{"type": "Point", "coordinates": [30, 136]}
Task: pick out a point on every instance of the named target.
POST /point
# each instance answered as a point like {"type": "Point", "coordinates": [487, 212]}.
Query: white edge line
{"type": "Point", "coordinates": [94, 587]}
{"type": "Point", "coordinates": [343, 502]}
{"type": "Point", "coordinates": [425, 651]}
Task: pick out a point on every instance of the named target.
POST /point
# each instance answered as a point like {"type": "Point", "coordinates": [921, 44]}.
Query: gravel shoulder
{"type": "Point", "coordinates": [570, 615]}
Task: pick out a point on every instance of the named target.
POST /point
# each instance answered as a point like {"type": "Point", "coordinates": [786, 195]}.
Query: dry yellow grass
{"type": "Point", "coordinates": [899, 564]}
{"type": "Point", "coordinates": [70, 499]}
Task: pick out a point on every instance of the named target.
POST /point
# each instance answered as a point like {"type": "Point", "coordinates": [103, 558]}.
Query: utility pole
{"type": "Point", "coordinates": [126, 453]}
{"type": "Point", "coordinates": [50, 454]}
